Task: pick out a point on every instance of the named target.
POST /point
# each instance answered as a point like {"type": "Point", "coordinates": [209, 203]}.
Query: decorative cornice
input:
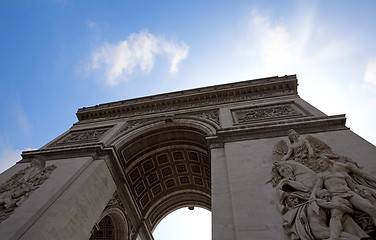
{"type": "Point", "coordinates": [220, 94]}
{"type": "Point", "coordinates": [279, 128]}
{"type": "Point", "coordinates": [64, 152]}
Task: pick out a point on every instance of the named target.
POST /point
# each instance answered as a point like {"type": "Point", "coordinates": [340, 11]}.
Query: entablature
{"type": "Point", "coordinates": [278, 128]}
{"type": "Point", "coordinates": [206, 96]}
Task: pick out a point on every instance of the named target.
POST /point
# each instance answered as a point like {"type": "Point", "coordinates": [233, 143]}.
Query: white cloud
{"type": "Point", "coordinates": [138, 51]}
{"type": "Point", "coordinates": [370, 73]}
{"type": "Point", "coordinates": [176, 53]}
{"type": "Point", "coordinates": [275, 45]}
{"type": "Point", "coordinates": [20, 116]}
{"type": "Point", "coordinates": [8, 157]}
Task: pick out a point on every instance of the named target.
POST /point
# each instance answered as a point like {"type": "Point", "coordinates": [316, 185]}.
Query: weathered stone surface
{"type": "Point", "coordinates": [330, 192]}
{"type": "Point", "coordinates": [77, 209]}
{"type": "Point", "coordinates": [211, 147]}
{"type": "Point", "coordinates": [21, 185]}
{"type": "Point", "coordinates": [41, 199]}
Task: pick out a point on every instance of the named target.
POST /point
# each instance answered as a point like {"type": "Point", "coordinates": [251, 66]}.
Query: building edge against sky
{"type": "Point", "coordinates": [132, 162]}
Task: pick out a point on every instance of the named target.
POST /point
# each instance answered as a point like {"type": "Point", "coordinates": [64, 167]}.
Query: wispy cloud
{"type": "Point", "coordinates": [274, 43]}
{"type": "Point", "coordinates": [283, 47]}
{"type": "Point", "coordinates": [138, 52]}
{"type": "Point", "coordinates": [20, 117]}
{"type": "Point", "coordinates": [176, 52]}
{"type": "Point", "coordinates": [91, 24]}
{"type": "Point", "coordinates": [8, 157]}
{"type": "Point", "coordinates": [370, 73]}
{"type": "Point", "coordinates": [324, 59]}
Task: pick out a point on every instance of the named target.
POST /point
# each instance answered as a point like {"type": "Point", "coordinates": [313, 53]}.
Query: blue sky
{"type": "Point", "coordinates": [58, 56]}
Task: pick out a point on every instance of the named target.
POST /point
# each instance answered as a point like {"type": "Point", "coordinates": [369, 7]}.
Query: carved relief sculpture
{"type": "Point", "coordinates": [211, 115]}
{"type": "Point", "coordinates": [116, 202]}
{"type": "Point", "coordinates": [267, 112]}
{"type": "Point", "coordinates": [82, 136]}
{"type": "Point", "coordinates": [322, 195]}
{"type": "Point", "coordinates": [19, 187]}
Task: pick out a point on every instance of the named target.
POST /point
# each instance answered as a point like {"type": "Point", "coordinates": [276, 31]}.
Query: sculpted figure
{"type": "Point", "coordinates": [292, 201]}
{"type": "Point", "coordinates": [344, 165]}
{"type": "Point", "coordinates": [341, 187]}
{"type": "Point", "coordinates": [19, 187]}
{"type": "Point", "coordinates": [322, 195]}
{"type": "Point", "coordinates": [366, 193]}
{"type": "Point", "coordinates": [296, 176]}
{"type": "Point", "coordinates": [304, 151]}
{"type": "Point", "coordinates": [300, 149]}
{"type": "Point", "coordinates": [318, 220]}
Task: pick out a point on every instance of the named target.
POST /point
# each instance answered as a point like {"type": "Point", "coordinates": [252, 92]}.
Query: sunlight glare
{"type": "Point", "coordinates": [184, 224]}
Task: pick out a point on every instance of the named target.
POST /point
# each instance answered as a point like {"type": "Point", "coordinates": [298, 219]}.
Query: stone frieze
{"type": "Point", "coordinates": [82, 136]}
{"type": "Point", "coordinates": [266, 113]}
{"type": "Point", "coordinates": [159, 108]}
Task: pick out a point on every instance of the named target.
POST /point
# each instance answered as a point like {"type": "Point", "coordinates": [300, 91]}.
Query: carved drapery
{"type": "Point", "coordinates": [322, 195]}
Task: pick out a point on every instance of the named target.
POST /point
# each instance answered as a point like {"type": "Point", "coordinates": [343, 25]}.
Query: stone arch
{"type": "Point", "coordinates": [175, 201]}
{"type": "Point", "coordinates": [166, 164]}
{"type": "Point", "coordinates": [132, 129]}
{"type": "Point", "coordinates": [113, 224]}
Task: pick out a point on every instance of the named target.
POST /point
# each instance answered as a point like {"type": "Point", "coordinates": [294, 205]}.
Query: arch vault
{"type": "Point", "coordinates": [124, 166]}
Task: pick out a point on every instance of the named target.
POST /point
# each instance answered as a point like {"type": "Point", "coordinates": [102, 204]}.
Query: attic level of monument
{"type": "Point", "coordinates": [206, 96]}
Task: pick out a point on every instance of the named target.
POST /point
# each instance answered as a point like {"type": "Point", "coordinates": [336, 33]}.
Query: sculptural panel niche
{"type": "Point", "coordinates": [20, 186]}
{"type": "Point", "coordinates": [322, 195]}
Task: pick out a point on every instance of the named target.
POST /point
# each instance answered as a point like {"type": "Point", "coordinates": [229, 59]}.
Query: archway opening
{"type": "Point", "coordinates": [104, 230]}
{"type": "Point", "coordinates": [112, 226]}
{"type": "Point", "coordinates": [167, 167]}
{"type": "Point", "coordinates": [184, 224]}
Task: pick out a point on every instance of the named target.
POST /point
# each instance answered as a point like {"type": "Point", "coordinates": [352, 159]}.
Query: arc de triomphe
{"type": "Point", "coordinates": [124, 166]}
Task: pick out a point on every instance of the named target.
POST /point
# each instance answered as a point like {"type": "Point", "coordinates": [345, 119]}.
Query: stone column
{"type": "Point", "coordinates": [222, 212]}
